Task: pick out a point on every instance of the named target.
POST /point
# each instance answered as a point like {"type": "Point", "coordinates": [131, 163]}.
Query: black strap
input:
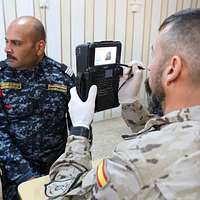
{"type": "Point", "coordinates": [80, 131]}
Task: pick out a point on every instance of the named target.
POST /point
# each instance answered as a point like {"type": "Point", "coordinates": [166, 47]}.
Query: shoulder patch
{"type": "Point", "coordinates": [102, 174]}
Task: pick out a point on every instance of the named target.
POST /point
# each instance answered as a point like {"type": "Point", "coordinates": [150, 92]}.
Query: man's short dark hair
{"type": "Point", "coordinates": [182, 38]}
{"type": "Point", "coordinates": [39, 28]}
{"type": "Point", "coordinates": [187, 16]}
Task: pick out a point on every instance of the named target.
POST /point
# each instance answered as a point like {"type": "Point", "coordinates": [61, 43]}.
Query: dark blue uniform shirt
{"type": "Point", "coordinates": [33, 126]}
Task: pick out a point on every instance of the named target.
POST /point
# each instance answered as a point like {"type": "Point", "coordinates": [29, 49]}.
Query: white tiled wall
{"type": "Point", "coordinates": [71, 22]}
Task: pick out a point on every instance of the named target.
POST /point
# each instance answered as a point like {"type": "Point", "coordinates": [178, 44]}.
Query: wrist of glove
{"type": "Point", "coordinates": [82, 131]}
{"type": "Point", "coordinates": [128, 101]}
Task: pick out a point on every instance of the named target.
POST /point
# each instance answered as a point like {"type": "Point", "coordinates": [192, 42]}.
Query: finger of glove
{"type": "Point", "coordinates": [137, 76]}
{"type": "Point", "coordinates": [126, 71]}
{"type": "Point", "coordinates": [137, 73]}
{"type": "Point", "coordinates": [74, 95]}
{"type": "Point", "coordinates": [133, 67]}
{"type": "Point", "coordinates": [126, 76]}
{"type": "Point", "coordinates": [92, 94]}
{"type": "Point", "coordinates": [134, 82]}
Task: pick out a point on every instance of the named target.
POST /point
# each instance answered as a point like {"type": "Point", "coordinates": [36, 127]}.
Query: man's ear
{"type": "Point", "coordinates": [173, 69]}
{"type": "Point", "coordinates": [41, 47]}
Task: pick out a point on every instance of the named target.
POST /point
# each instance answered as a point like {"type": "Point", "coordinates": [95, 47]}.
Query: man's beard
{"type": "Point", "coordinates": [154, 100]}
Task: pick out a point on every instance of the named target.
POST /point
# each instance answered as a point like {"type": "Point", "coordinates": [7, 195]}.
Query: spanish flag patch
{"type": "Point", "coordinates": [56, 87]}
{"type": "Point", "coordinates": [10, 85]}
{"type": "Point", "coordinates": [101, 174]}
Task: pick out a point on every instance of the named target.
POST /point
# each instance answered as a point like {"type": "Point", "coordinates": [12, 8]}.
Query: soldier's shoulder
{"type": "Point", "coordinates": [184, 172]}
{"type": "Point", "coordinates": [67, 70]}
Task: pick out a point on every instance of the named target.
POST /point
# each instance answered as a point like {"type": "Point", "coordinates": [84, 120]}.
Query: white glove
{"type": "Point", "coordinates": [82, 113]}
{"type": "Point", "coordinates": [130, 83]}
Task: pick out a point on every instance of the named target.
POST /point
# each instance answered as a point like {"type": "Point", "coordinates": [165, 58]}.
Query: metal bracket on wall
{"type": "Point", "coordinates": [44, 4]}
{"type": "Point", "coordinates": [135, 5]}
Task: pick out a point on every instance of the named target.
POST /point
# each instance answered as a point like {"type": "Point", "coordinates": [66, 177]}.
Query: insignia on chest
{"type": "Point", "coordinates": [57, 87]}
{"type": "Point", "coordinates": [10, 85]}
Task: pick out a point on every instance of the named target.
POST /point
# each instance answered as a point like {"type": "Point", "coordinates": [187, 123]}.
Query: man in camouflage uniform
{"type": "Point", "coordinates": [163, 160]}
{"type": "Point", "coordinates": [34, 95]}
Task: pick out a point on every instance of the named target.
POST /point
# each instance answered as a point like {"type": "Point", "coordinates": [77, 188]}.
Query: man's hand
{"type": "Point", "coordinates": [130, 82]}
{"type": "Point", "coordinates": [82, 113]}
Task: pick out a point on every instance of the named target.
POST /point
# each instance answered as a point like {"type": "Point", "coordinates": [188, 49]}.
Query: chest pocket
{"type": "Point", "coordinates": [35, 99]}
{"type": "Point", "coordinates": [8, 90]}
{"type": "Point", "coordinates": [55, 102]}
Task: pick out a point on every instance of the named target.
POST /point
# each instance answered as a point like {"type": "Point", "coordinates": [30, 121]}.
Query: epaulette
{"type": "Point", "coordinates": [65, 69]}
{"type": "Point", "coordinates": [3, 65]}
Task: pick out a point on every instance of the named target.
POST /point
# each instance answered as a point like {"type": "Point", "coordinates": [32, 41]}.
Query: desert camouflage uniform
{"type": "Point", "coordinates": [33, 127]}
{"type": "Point", "coordinates": [135, 115]}
{"type": "Point", "coordinates": [161, 163]}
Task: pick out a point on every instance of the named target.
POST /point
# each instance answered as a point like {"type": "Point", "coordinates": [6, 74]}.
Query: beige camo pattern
{"type": "Point", "coordinates": [135, 115]}
{"type": "Point", "coordinates": [162, 163]}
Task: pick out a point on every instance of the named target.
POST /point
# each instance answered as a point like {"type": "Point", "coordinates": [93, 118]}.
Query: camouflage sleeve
{"type": "Point", "coordinates": [135, 115]}
{"type": "Point", "coordinates": [66, 173]}
{"type": "Point", "coordinates": [12, 162]}
{"type": "Point", "coordinates": [71, 178]}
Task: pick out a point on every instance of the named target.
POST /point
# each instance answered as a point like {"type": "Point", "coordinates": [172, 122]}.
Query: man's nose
{"type": "Point", "coordinates": [8, 49]}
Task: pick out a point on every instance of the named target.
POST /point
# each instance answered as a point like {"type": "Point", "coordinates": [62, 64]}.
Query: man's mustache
{"type": "Point", "coordinates": [11, 57]}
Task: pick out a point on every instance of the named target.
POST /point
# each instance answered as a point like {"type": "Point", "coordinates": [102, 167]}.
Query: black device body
{"type": "Point", "coordinates": [98, 64]}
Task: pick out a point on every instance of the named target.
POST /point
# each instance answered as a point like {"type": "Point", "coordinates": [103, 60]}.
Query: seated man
{"type": "Point", "coordinates": [164, 164]}
{"type": "Point", "coordinates": [34, 93]}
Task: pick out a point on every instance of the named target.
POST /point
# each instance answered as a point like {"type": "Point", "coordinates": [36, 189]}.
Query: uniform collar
{"type": "Point", "coordinates": [43, 61]}
{"type": "Point", "coordinates": [185, 114]}
{"type": "Point", "coordinates": [155, 124]}
{"type": "Point", "coordinates": [34, 72]}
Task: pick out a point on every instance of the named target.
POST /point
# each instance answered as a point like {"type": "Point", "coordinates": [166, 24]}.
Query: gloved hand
{"type": "Point", "coordinates": [82, 113]}
{"type": "Point", "coordinates": [130, 83]}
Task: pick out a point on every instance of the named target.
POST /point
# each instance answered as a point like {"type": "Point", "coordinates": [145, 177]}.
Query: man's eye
{"type": "Point", "coordinates": [17, 43]}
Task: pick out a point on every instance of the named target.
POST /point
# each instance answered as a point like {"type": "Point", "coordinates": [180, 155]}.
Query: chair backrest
{"type": "Point", "coordinates": [33, 189]}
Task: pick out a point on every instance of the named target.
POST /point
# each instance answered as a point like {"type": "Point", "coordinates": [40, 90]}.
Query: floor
{"type": "Point", "coordinates": [106, 135]}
